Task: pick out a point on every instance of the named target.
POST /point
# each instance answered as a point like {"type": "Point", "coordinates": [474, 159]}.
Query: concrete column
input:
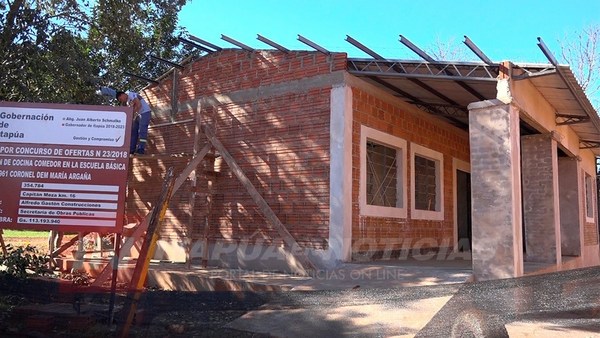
{"type": "Point", "coordinates": [570, 215]}
{"type": "Point", "coordinates": [496, 190]}
{"type": "Point", "coordinates": [541, 211]}
{"type": "Point", "coordinates": [340, 217]}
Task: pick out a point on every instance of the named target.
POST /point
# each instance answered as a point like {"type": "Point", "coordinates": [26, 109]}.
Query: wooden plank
{"type": "Point", "coordinates": [140, 272]}
{"type": "Point", "coordinates": [263, 206]}
{"type": "Point", "coordinates": [115, 272]}
{"type": "Point", "coordinates": [141, 228]}
{"type": "Point", "coordinates": [206, 232]}
{"type": "Point", "coordinates": [190, 167]}
{"type": "Point", "coordinates": [193, 183]}
{"type": "Point", "coordinates": [66, 245]}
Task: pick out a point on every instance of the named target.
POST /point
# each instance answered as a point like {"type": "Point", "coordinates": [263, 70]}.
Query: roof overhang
{"type": "Point", "coordinates": [445, 89]}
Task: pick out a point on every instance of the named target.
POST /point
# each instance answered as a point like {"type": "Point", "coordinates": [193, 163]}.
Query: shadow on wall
{"type": "Point", "coordinates": [282, 145]}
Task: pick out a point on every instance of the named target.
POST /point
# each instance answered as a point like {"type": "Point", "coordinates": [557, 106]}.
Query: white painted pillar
{"type": "Point", "coordinates": [340, 176]}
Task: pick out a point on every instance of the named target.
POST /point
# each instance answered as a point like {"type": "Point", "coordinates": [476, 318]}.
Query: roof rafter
{"type": "Point", "coordinates": [425, 56]}
{"type": "Point", "coordinates": [451, 112]}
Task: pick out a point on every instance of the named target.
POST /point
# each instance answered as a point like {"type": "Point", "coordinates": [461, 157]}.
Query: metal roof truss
{"type": "Point", "coordinates": [459, 71]}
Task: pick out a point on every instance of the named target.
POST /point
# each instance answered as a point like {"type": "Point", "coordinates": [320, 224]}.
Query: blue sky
{"type": "Point", "coordinates": [503, 30]}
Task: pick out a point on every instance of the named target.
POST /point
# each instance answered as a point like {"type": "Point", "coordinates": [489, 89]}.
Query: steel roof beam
{"type": "Point", "coordinates": [529, 75]}
{"type": "Point", "coordinates": [473, 47]}
{"type": "Point", "coordinates": [172, 64]}
{"type": "Point", "coordinates": [411, 97]}
{"type": "Point", "coordinates": [140, 77]}
{"type": "Point", "coordinates": [415, 49]}
{"type": "Point", "coordinates": [400, 70]}
{"type": "Point", "coordinates": [547, 52]}
{"type": "Point", "coordinates": [593, 114]}
{"type": "Point", "coordinates": [462, 71]}
{"type": "Point", "coordinates": [412, 76]}
{"type": "Point", "coordinates": [425, 56]}
{"type": "Point", "coordinates": [427, 107]}
{"type": "Point", "coordinates": [205, 43]}
{"type": "Point", "coordinates": [272, 43]}
{"type": "Point", "coordinates": [195, 45]}
{"type": "Point", "coordinates": [364, 48]}
{"type": "Point", "coordinates": [440, 63]}
{"type": "Point", "coordinates": [313, 45]}
{"type": "Point", "coordinates": [237, 43]}
{"type": "Point", "coordinates": [394, 88]}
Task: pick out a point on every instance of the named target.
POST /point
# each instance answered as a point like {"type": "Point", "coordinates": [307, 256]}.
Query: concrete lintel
{"type": "Point", "coordinates": [273, 90]}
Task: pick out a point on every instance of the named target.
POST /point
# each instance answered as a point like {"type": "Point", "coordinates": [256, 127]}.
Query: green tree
{"type": "Point", "coordinates": [62, 50]}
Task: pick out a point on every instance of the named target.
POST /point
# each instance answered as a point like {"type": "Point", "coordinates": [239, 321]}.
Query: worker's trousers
{"type": "Point", "coordinates": [139, 133]}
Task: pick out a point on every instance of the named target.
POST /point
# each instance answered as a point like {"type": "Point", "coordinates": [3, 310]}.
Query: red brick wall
{"type": "Point", "coordinates": [280, 140]}
{"type": "Point", "coordinates": [590, 234]}
{"type": "Point", "coordinates": [378, 233]}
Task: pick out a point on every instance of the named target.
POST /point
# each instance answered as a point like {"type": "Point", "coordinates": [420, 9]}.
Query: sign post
{"type": "Point", "coordinates": [63, 167]}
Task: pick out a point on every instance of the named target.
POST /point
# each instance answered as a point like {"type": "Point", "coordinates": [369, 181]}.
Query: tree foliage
{"type": "Point", "coordinates": [62, 50]}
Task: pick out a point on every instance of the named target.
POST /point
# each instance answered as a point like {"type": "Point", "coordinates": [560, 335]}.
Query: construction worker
{"type": "Point", "coordinates": [141, 111]}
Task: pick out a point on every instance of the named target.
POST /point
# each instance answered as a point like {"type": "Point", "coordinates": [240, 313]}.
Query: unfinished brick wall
{"type": "Point", "coordinates": [274, 125]}
{"type": "Point", "coordinates": [379, 233]}
{"type": "Point", "coordinates": [538, 154]}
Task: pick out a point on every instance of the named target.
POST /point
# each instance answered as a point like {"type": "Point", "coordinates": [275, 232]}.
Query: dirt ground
{"type": "Point", "coordinates": [40, 243]}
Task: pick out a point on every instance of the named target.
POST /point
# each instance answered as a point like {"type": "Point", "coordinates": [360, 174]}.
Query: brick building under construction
{"type": "Point", "coordinates": [353, 159]}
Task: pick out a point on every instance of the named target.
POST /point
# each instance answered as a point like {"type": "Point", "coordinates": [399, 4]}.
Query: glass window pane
{"type": "Point", "coordinates": [589, 197]}
{"type": "Point", "coordinates": [426, 183]}
{"type": "Point", "coordinates": [382, 173]}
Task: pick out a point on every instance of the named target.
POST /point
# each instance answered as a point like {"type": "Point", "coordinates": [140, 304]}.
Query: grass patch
{"type": "Point", "coordinates": [26, 233]}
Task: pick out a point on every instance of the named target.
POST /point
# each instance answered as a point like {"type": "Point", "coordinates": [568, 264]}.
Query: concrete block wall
{"type": "Point", "coordinates": [390, 116]}
{"type": "Point", "coordinates": [271, 111]}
